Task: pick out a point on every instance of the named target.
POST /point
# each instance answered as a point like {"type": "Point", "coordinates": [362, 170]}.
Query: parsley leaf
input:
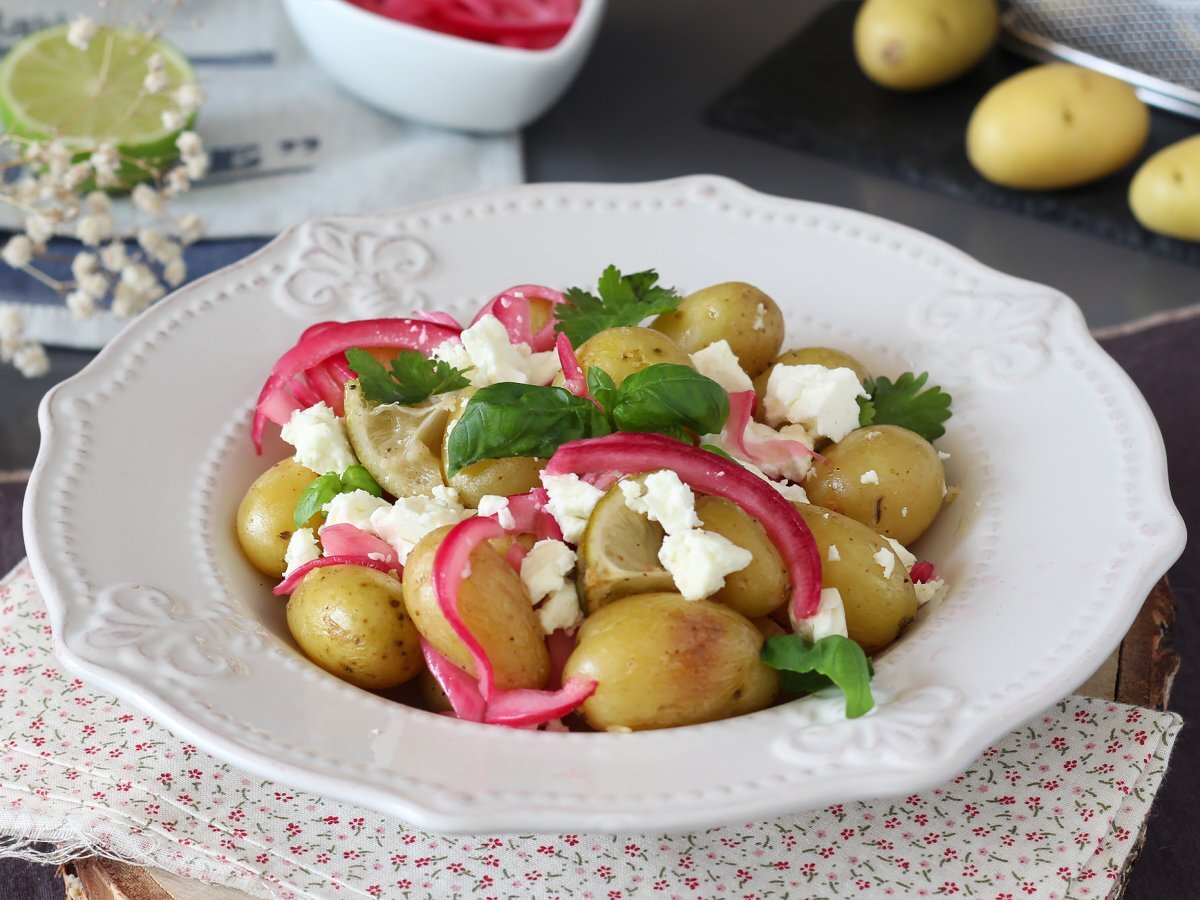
{"type": "Point", "coordinates": [624, 300]}
{"type": "Point", "coordinates": [904, 403]}
{"type": "Point", "coordinates": [324, 488]}
{"type": "Point", "coordinates": [833, 660]}
{"type": "Point", "coordinates": [413, 377]}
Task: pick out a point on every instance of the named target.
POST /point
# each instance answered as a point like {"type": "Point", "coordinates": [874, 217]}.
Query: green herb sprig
{"type": "Point", "coordinates": [907, 403]}
{"type": "Point", "coordinates": [324, 488]}
{"type": "Point", "coordinates": [413, 377]}
{"type": "Point", "coordinates": [623, 300]}
{"type": "Point", "coordinates": [806, 667]}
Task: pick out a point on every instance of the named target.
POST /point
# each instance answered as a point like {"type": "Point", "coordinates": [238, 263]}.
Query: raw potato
{"type": "Point", "coordinates": [264, 517]}
{"type": "Point", "coordinates": [878, 605]}
{"type": "Point", "coordinates": [495, 606]}
{"type": "Point", "coordinates": [809, 356]}
{"type": "Point", "coordinates": [502, 477]}
{"type": "Point", "coordinates": [351, 621]}
{"type": "Point", "coordinates": [1056, 126]}
{"type": "Point", "coordinates": [762, 586]}
{"type": "Point", "coordinates": [910, 45]}
{"type": "Point", "coordinates": [903, 497]}
{"type": "Point", "coordinates": [661, 661]}
{"type": "Point", "coordinates": [622, 351]}
{"type": "Point", "coordinates": [1165, 193]}
{"type": "Point", "coordinates": [733, 311]}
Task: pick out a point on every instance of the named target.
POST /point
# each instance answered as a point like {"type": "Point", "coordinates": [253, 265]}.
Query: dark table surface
{"type": "Point", "coordinates": [636, 114]}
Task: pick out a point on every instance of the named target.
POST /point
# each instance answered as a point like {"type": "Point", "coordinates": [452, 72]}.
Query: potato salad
{"type": "Point", "coordinates": [613, 508]}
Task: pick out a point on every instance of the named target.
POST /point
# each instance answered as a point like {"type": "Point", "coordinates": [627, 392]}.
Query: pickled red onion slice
{"type": "Point", "coordinates": [573, 377]}
{"type": "Point", "coordinates": [708, 474]}
{"type": "Point", "coordinates": [289, 584]}
{"type": "Point", "coordinates": [512, 309]}
{"type": "Point", "coordinates": [460, 688]}
{"type": "Point", "coordinates": [772, 453]}
{"type": "Point", "coordinates": [345, 539]}
{"type": "Point", "coordinates": [522, 708]}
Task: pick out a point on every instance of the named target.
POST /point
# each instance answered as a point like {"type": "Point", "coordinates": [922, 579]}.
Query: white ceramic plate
{"type": "Point", "coordinates": [1063, 524]}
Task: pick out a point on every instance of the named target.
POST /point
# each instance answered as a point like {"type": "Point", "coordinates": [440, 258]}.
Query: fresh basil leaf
{"type": "Point", "coordinates": [831, 660]}
{"type": "Point", "coordinates": [322, 489]}
{"type": "Point", "coordinates": [602, 387]}
{"type": "Point", "coordinates": [509, 419]}
{"type": "Point", "coordinates": [357, 478]}
{"type": "Point", "coordinates": [717, 451]}
{"type": "Point", "coordinates": [667, 398]}
{"type": "Point", "coordinates": [413, 377]}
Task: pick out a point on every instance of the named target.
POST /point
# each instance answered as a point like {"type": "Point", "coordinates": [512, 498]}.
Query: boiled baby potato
{"type": "Point", "coordinates": [1056, 126]}
{"type": "Point", "coordinates": [495, 606]}
{"type": "Point", "coordinates": [879, 600]}
{"type": "Point", "coordinates": [618, 554]}
{"type": "Point", "coordinates": [351, 621]}
{"type": "Point", "coordinates": [887, 477]}
{"type": "Point", "coordinates": [501, 477]}
{"type": "Point", "coordinates": [622, 351]}
{"type": "Point", "coordinates": [265, 516]}
{"type": "Point", "coordinates": [732, 311]}
{"type": "Point", "coordinates": [660, 661]}
{"type": "Point", "coordinates": [910, 45]}
{"type": "Point", "coordinates": [763, 585]}
{"type": "Point", "coordinates": [1165, 193]}
{"type": "Point", "coordinates": [809, 356]}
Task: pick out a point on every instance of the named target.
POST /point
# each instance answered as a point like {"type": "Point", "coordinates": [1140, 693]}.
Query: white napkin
{"type": "Point", "coordinates": [1052, 810]}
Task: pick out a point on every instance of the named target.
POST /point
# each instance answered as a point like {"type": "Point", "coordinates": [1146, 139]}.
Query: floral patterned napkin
{"type": "Point", "coordinates": [1051, 811]}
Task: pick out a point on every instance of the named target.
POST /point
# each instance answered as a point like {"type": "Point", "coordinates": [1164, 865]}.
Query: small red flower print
{"type": "Point", "coordinates": [1082, 715]}
{"type": "Point", "coordinates": [1029, 887]}
{"type": "Point", "coordinates": [1007, 840]}
{"type": "Point", "coordinates": [293, 829]}
{"type": "Point", "coordinates": [1106, 768]}
{"type": "Point", "coordinates": [262, 858]}
{"type": "Point", "coordinates": [615, 895]}
{"type": "Point", "coordinates": [375, 890]}
{"type": "Point", "coordinates": [571, 840]}
{"type": "Point", "coordinates": [789, 841]}
{"type": "Point", "coordinates": [604, 872]}
{"type": "Point", "coordinates": [165, 778]}
{"type": "Point", "coordinates": [848, 833]}
{"type": "Point", "coordinates": [885, 844]}
{"type": "Point", "coordinates": [692, 882]}
{"type": "Point", "coordinates": [1004, 897]}
{"type": "Point", "coordinates": [237, 815]}
{"type": "Point", "coordinates": [827, 852]}
{"type": "Point", "coordinates": [891, 823]}
{"type": "Point", "coordinates": [1070, 765]}
{"type": "Point", "coordinates": [781, 865]}
{"type": "Point", "coordinates": [399, 859]}
{"type": "Point", "coordinates": [284, 797]}
{"type": "Point", "coordinates": [357, 822]}
{"type": "Point", "coordinates": [404, 884]}
{"type": "Point", "coordinates": [296, 849]}
{"type": "Point", "coordinates": [862, 884]}
{"type": "Point", "coordinates": [489, 844]}
{"type": "Point", "coordinates": [971, 810]}
{"type": "Point", "coordinates": [323, 858]}
{"type": "Point", "coordinates": [808, 869]}
{"type": "Point", "coordinates": [533, 876]}
{"type": "Point", "coordinates": [661, 885]}
{"type": "Point", "coordinates": [1113, 747]}
{"type": "Point", "coordinates": [420, 862]}
{"type": "Point", "coordinates": [412, 839]}
{"type": "Point", "coordinates": [932, 838]}
{"type": "Point", "coordinates": [912, 800]}
{"type": "Point", "coordinates": [546, 849]}
{"type": "Point", "coordinates": [686, 862]}
{"type": "Point", "coordinates": [632, 849]}
{"type": "Point", "coordinates": [948, 887]}
{"type": "Point", "coordinates": [1007, 801]}
{"type": "Point", "coordinates": [921, 819]}
{"type": "Point", "coordinates": [970, 870]}
{"type": "Point", "coordinates": [950, 853]}
{"type": "Point", "coordinates": [730, 842]}
{"type": "Point", "coordinates": [1121, 834]}
{"type": "Point", "coordinates": [1052, 785]}
{"type": "Point", "coordinates": [1012, 775]}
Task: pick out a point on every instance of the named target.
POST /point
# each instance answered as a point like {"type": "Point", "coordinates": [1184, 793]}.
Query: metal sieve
{"type": "Point", "coordinates": [1153, 45]}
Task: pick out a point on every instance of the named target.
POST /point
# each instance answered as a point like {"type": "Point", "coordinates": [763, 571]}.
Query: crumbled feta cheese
{"type": "Point", "coordinates": [929, 591]}
{"type": "Point", "coordinates": [792, 469]}
{"type": "Point", "coordinates": [319, 437]}
{"type": "Point", "coordinates": [871, 435]}
{"type": "Point", "coordinates": [869, 477]}
{"type": "Point", "coordinates": [830, 618]}
{"type": "Point", "coordinates": [302, 548]}
{"type": "Point", "coordinates": [485, 347]}
{"type": "Point", "coordinates": [943, 455]}
{"type": "Point", "coordinates": [571, 503]}
{"type": "Point", "coordinates": [699, 561]}
{"type": "Point", "coordinates": [834, 554]}
{"type": "Point", "coordinates": [716, 361]}
{"type": "Point", "coordinates": [545, 568]}
{"type": "Point", "coordinates": [560, 610]}
{"type": "Point", "coordinates": [904, 512]}
{"type": "Point", "coordinates": [887, 561]}
{"type": "Point", "coordinates": [760, 317]}
{"type": "Point", "coordinates": [662, 498]}
{"type": "Point", "coordinates": [906, 558]}
{"type": "Point", "coordinates": [497, 506]}
{"type": "Point", "coordinates": [409, 519]}
{"type": "Point", "coordinates": [353, 508]}
{"type": "Point", "coordinates": [823, 400]}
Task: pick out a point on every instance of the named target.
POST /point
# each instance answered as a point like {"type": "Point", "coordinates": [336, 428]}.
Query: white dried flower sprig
{"type": "Point", "coordinates": [53, 189]}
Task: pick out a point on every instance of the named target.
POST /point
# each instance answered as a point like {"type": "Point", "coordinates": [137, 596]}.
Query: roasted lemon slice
{"type": "Point", "coordinates": [399, 445]}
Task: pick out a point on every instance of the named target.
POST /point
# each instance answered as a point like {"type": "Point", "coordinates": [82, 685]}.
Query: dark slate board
{"type": "Point", "coordinates": [811, 96]}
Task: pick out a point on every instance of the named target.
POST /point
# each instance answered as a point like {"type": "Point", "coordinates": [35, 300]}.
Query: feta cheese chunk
{"type": "Point", "coordinates": [319, 437]}
{"type": "Point", "coordinates": [353, 508]}
{"type": "Point", "coordinates": [716, 361]}
{"type": "Point", "coordinates": [830, 618]}
{"type": "Point", "coordinates": [792, 492]}
{"type": "Point", "coordinates": [662, 498]}
{"type": "Point", "coordinates": [869, 477]}
{"type": "Point", "coordinates": [824, 401]}
{"type": "Point", "coordinates": [411, 518]}
{"type": "Point", "coordinates": [887, 561]}
{"type": "Point", "coordinates": [495, 505]}
{"type": "Point", "coordinates": [544, 572]}
{"type": "Point", "coordinates": [571, 503]}
{"type": "Point", "coordinates": [302, 548]}
{"type": "Point", "coordinates": [834, 554]}
{"type": "Point", "coordinates": [699, 561]}
{"type": "Point", "coordinates": [930, 591]}
{"type": "Point", "coordinates": [492, 358]}
{"type": "Point", "coordinates": [906, 559]}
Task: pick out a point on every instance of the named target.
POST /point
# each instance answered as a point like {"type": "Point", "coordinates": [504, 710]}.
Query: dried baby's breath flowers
{"type": "Point", "coordinates": [61, 184]}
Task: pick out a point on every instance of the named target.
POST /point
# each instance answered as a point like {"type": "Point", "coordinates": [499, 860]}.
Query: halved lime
{"type": "Point", "coordinates": [50, 89]}
{"type": "Point", "coordinates": [618, 554]}
{"type": "Point", "coordinates": [399, 445]}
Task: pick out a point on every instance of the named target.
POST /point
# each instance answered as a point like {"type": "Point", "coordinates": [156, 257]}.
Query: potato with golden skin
{"type": "Point", "coordinates": [887, 477]}
{"type": "Point", "coordinates": [622, 351]}
{"type": "Point", "coordinates": [879, 600]}
{"type": "Point", "coordinates": [732, 311]}
{"type": "Point", "coordinates": [660, 661]}
{"type": "Point", "coordinates": [494, 604]}
{"type": "Point", "coordinates": [351, 621]}
{"type": "Point", "coordinates": [265, 517]}
{"type": "Point", "coordinates": [911, 45]}
{"type": "Point", "coordinates": [762, 586]}
{"type": "Point", "coordinates": [1165, 193]}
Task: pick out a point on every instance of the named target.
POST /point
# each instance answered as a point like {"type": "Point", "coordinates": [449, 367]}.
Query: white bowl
{"type": "Point", "coordinates": [1063, 524]}
{"type": "Point", "coordinates": [437, 78]}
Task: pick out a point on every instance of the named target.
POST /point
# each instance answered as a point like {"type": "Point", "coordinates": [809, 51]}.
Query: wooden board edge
{"type": "Point", "coordinates": [1148, 659]}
